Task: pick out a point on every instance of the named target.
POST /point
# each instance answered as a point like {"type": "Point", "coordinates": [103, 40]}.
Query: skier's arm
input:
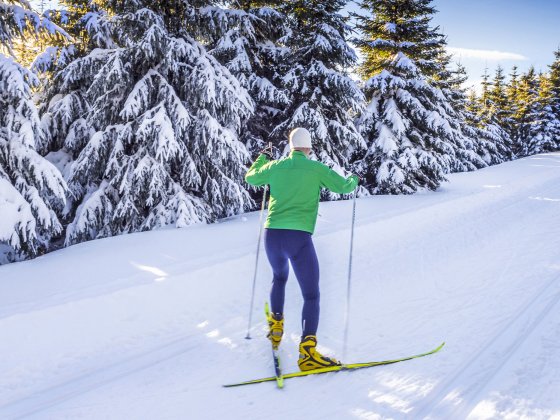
{"type": "Point", "coordinates": [336, 183]}
{"type": "Point", "coordinates": [259, 171]}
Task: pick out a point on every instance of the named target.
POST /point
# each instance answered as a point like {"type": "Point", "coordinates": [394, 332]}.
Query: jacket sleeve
{"type": "Point", "coordinates": [259, 172]}
{"type": "Point", "coordinates": [336, 183]}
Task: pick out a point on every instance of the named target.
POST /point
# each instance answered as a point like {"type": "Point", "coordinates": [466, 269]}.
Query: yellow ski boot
{"type": "Point", "coordinates": [310, 358]}
{"type": "Point", "coordinates": [276, 329]}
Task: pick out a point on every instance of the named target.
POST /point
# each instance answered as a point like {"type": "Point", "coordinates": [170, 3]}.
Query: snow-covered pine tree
{"type": "Point", "coordinates": [64, 106]}
{"type": "Point", "coordinates": [484, 108]}
{"type": "Point", "coordinates": [31, 189]}
{"type": "Point", "coordinates": [497, 99]}
{"type": "Point", "coordinates": [480, 144]}
{"type": "Point", "coordinates": [527, 116]}
{"type": "Point", "coordinates": [543, 140]}
{"type": "Point", "coordinates": [491, 136]}
{"type": "Point", "coordinates": [512, 91]}
{"type": "Point", "coordinates": [472, 106]}
{"type": "Point", "coordinates": [472, 146]}
{"type": "Point", "coordinates": [248, 45]}
{"type": "Point", "coordinates": [407, 124]}
{"type": "Point", "coordinates": [495, 112]}
{"type": "Point", "coordinates": [547, 138]}
{"type": "Point", "coordinates": [553, 127]}
{"type": "Point", "coordinates": [501, 114]}
{"type": "Point", "coordinates": [323, 98]}
{"type": "Point", "coordinates": [166, 116]}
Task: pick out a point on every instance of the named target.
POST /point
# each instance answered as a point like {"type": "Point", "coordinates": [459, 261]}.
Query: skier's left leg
{"type": "Point", "coordinates": [273, 242]}
{"type": "Point", "coordinates": [280, 268]}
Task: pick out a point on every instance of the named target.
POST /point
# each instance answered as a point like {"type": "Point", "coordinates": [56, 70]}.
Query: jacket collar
{"type": "Point", "coordinates": [298, 154]}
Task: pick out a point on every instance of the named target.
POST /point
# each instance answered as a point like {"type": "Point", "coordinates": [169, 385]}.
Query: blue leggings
{"type": "Point", "coordinates": [296, 246]}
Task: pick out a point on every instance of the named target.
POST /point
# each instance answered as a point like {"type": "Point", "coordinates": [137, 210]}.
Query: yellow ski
{"type": "Point", "coordinates": [352, 366]}
{"type": "Point", "coordinates": [276, 357]}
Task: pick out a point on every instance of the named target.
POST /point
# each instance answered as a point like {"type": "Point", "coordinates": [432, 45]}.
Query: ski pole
{"type": "Point", "coordinates": [348, 288]}
{"type": "Point", "coordinates": [248, 336]}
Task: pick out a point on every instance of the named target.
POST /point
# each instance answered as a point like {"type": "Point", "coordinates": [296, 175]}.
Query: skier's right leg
{"type": "Point", "coordinates": [306, 267]}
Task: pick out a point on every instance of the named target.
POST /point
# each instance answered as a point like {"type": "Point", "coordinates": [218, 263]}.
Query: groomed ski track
{"type": "Point", "coordinates": [154, 323]}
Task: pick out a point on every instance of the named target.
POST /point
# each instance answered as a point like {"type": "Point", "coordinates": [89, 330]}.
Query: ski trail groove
{"type": "Point", "coordinates": [438, 402]}
{"type": "Point", "coordinates": [493, 355]}
{"type": "Point", "coordinates": [44, 399]}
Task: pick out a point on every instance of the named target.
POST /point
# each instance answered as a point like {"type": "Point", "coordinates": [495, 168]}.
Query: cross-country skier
{"type": "Point", "coordinates": [295, 186]}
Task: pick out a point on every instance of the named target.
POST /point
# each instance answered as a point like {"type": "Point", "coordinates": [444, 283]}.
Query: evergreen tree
{"type": "Point", "coordinates": [543, 139]}
{"type": "Point", "coordinates": [400, 26]}
{"type": "Point", "coordinates": [555, 105]}
{"type": "Point", "coordinates": [512, 92]}
{"type": "Point", "coordinates": [323, 98]}
{"type": "Point", "coordinates": [474, 148]}
{"type": "Point", "coordinates": [496, 111]}
{"type": "Point", "coordinates": [484, 99]}
{"type": "Point", "coordinates": [550, 93]}
{"type": "Point", "coordinates": [472, 107]}
{"type": "Point", "coordinates": [31, 188]}
{"type": "Point", "coordinates": [497, 98]}
{"type": "Point", "coordinates": [249, 46]}
{"type": "Point", "coordinates": [491, 146]}
{"type": "Point", "coordinates": [411, 128]}
{"type": "Point", "coordinates": [64, 106]}
{"type": "Point", "coordinates": [82, 19]}
{"type": "Point", "coordinates": [482, 145]}
{"type": "Point", "coordinates": [527, 116]}
{"type": "Point", "coordinates": [165, 115]}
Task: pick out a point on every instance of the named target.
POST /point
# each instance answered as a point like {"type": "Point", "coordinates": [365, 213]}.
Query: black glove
{"type": "Point", "coordinates": [268, 151]}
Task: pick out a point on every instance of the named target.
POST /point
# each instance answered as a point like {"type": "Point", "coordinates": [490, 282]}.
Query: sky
{"type": "Point", "coordinates": [487, 33]}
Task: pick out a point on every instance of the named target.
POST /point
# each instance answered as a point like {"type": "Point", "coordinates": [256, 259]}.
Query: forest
{"type": "Point", "coordinates": [124, 116]}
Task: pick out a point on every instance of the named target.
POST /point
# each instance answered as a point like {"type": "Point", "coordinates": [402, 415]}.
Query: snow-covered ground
{"type": "Point", "coordinates": [151, 325]}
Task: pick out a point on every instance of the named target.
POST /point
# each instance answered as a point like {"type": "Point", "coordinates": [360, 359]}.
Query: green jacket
{"type": "Point", "coordinates": [295, 187]}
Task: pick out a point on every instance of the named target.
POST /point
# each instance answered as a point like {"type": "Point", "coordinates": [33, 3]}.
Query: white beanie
{"type": "Point", "coordinates": [300, 137]}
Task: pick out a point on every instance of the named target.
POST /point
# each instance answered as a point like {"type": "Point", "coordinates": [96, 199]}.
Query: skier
{"type": "Point", "coordinates": [295, 185]}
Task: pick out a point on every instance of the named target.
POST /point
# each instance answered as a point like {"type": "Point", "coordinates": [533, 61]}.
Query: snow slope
{"type": "Point", "coordinates": [150, 325]}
